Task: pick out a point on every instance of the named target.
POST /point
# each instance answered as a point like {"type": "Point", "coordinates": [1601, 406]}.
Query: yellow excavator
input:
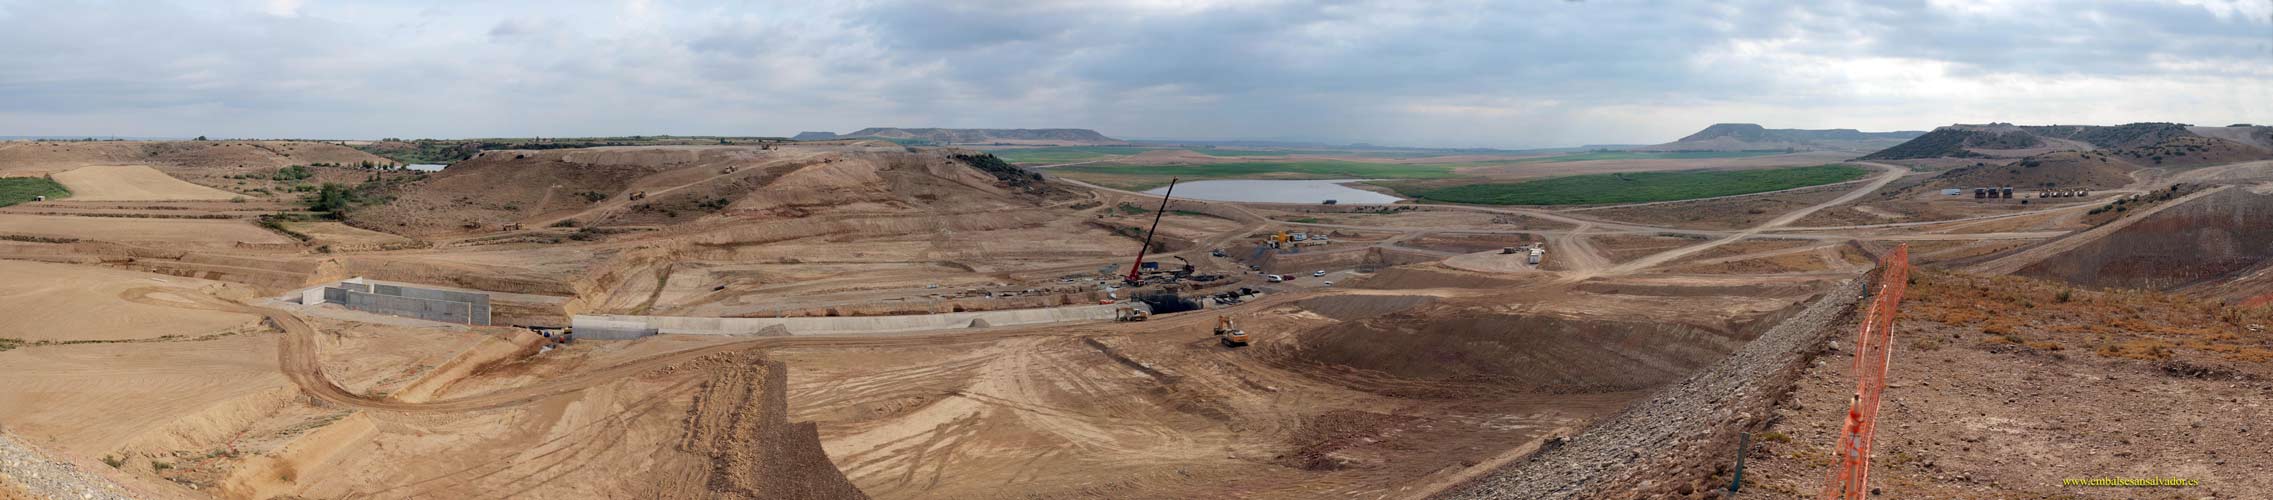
{"type": "Point", "coordinates": [1127, 313]}
{"type": "Point", "coordinates": [1231, 334]}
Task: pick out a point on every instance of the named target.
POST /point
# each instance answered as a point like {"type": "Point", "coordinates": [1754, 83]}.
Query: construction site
{"type": "Point", "coordinates": [856, 318]}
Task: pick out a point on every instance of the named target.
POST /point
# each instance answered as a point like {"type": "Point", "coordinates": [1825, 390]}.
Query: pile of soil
{"type": "Point", "coordinates": [2204, 239]}
{"type": "Point", "coordinates": [1518, 352]}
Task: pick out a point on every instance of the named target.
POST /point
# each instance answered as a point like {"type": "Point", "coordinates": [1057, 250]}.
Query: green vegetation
{"type": "Point", "coordinates": [15, 190]}
{"type": "Point", "coordinates": [1132, 209]}
{"type": "Point", "coordinates": [292, 173]}
{"type": "Point", "coordinates": [1644, 155]}
{"type": "Point", "coordinates": [1234, 153]}
{"type": "Point", "coordinates": [1137, 177]}
{"type": "Point", "coordinates": [1641, 186]}
{"type": "Point", "coordinates": [1064, 154]}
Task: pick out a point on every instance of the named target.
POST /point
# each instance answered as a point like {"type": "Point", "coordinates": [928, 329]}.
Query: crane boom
{"type": "Point", "coordinates": [1134, 278]}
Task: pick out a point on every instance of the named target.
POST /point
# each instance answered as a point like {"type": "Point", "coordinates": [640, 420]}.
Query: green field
{"type": "Point", "coordinates": [1641, 186]}
{"type": "Point", "coordinates": [1638, 155]}
{"type": "Point", "coordinates": [15, 190]}
{"type": "Point", "coordinates": [1141, 177]}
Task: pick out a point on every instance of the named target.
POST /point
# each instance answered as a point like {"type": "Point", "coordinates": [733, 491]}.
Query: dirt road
{"type": "Point", "coordinates": [1890, 174]}
{"type": "Point", "coordinates": [2010, 263]}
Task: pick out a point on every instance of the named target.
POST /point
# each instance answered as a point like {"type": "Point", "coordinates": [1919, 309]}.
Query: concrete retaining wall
{"type": "Point", "coordinates": [594, 327]}
{"type": "Point", "coordinates": [422, 303]}
{"type": "Point", "coordinates": [479, 302]}
{"type": "Point", "coordinates": [851, 324]}
{"type": "Point", "coordinates": [412, 307]}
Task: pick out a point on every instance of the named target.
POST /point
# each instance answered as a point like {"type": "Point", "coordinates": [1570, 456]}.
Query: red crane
{"type": "Point", "coordinates": [1134, 279]}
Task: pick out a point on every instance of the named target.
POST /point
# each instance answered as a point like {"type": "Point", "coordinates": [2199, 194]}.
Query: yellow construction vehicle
{"type": "Point", "coordinates": [1231, 335]}
{"type": "Point", "coordinates": [1126, 313]}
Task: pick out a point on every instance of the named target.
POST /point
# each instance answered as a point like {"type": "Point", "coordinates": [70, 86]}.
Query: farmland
{"type": "Point", "coordinates": [1138, 177]}
{"type": "Point", "coordinates": [1639, 186]}
{"type": "Point", "coordinates": [1639, 155]}
{"type": "Point", "coordinates": [15, 190]}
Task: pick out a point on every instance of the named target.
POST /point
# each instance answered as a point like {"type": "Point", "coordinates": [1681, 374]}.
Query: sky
{"type": "Point", "coordinates": [1480, 73]}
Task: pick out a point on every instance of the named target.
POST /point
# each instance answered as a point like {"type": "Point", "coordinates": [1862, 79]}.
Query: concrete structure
{"type": "Point", "coordinates": [395, 300]}
{"type": "Point", "coordinates": [595, 327]}
{"type": "Point", "coordinates": [627, 326]}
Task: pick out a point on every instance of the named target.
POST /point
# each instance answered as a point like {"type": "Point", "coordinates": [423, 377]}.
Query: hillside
{"type": "Point", "coordinates": [2136, 141]}
{"type": "Point", "coordinates": [946, 136]}
{"type": "Point", "coordinates": [679, 185]}
{"type": "Point", "coordinates": [1960, 141]}
{"type": "Point", "coordinates": [26, 158]}
{"type": "Point", "coordinates": [2060, 169]}
{"type": "Point", "coordinates": [1753, 137]}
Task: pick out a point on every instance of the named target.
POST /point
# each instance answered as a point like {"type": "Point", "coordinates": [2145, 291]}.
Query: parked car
{"type": "Point", "coordinates": [1320, 274]}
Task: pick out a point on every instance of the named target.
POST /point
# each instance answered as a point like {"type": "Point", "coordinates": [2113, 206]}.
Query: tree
{"type": "Point", "coordinates": [199, 138]}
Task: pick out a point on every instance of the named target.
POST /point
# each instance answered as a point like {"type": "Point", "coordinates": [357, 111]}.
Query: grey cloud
{"type": "Point", "coordinates": [1480, 72]}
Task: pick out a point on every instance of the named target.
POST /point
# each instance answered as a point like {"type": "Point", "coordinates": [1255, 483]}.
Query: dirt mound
{"type": "Point", "coordinates": [2064, 169]}
{"type": "Point", "coordinates": [740, 422]}
{"type": "Point", "coordinates": [133, 182]}
{"type": "Point", "coordinates": [2203, 240]}
{"type": "Point", "coordinates": [1357, 307]}
{"type": "Point", "coordinates": [1521, 352]}
{"type": "Point", "coordinates": [680, 185]}
{"type": "Point", "coordinates": [254, 154]}
{"type": "Point", "coordinates": [1430, 276]}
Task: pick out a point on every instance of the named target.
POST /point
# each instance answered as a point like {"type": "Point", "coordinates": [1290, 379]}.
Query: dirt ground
{"type": "Point", "coordinates": [2000, 389]}
{"type": "Point", "coordinates": [133, 182]}
{"type": "Point", "coordinates": [63, 303]}
{"type": "Point", "coordinates": [202, 232]}
{"type": "Point", "coordinates": [1432, 361]}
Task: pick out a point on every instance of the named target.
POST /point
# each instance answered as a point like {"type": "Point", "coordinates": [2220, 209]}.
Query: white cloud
{"type": "Point", "coordinates": [1451, 72]}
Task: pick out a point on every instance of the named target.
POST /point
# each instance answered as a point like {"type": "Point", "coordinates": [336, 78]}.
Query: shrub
{"type": "Point", "coordinates": [113, 461]}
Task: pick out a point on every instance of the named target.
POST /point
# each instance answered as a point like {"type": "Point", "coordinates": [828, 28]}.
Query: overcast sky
{"type": "Point", "coordinates": [1518, 73]}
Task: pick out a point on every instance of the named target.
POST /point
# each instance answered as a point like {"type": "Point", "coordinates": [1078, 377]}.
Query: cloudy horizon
{"type": "Point", "coordinates": [1408, 73]}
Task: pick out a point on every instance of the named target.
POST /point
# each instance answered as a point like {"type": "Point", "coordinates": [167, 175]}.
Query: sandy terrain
{"type": "Point", "coordinates": [133, 182]}
{"type": "Point", "coordinates": [149, 230]}
{"type": "Point", "coordinates": [60, 302]}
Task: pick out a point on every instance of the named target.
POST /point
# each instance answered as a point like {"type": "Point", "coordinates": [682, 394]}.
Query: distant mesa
{"type": "Point", "coordinates": [949, 136]}
{"type": "Point", "coordinates": [1753, 137]}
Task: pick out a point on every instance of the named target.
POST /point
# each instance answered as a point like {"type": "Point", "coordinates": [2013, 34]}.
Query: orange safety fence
{"type": "Point", "coordinates": [1874, 350]}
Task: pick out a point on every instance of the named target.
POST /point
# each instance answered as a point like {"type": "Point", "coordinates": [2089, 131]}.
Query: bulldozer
{"type": "Point", "coordinates": [1230, 333]}
{"type": "Point", "coordinates": [1126, 313]}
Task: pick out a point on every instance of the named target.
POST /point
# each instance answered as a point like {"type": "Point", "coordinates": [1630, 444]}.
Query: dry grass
{"type": "Point", "coordinates": [2051, 316]}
